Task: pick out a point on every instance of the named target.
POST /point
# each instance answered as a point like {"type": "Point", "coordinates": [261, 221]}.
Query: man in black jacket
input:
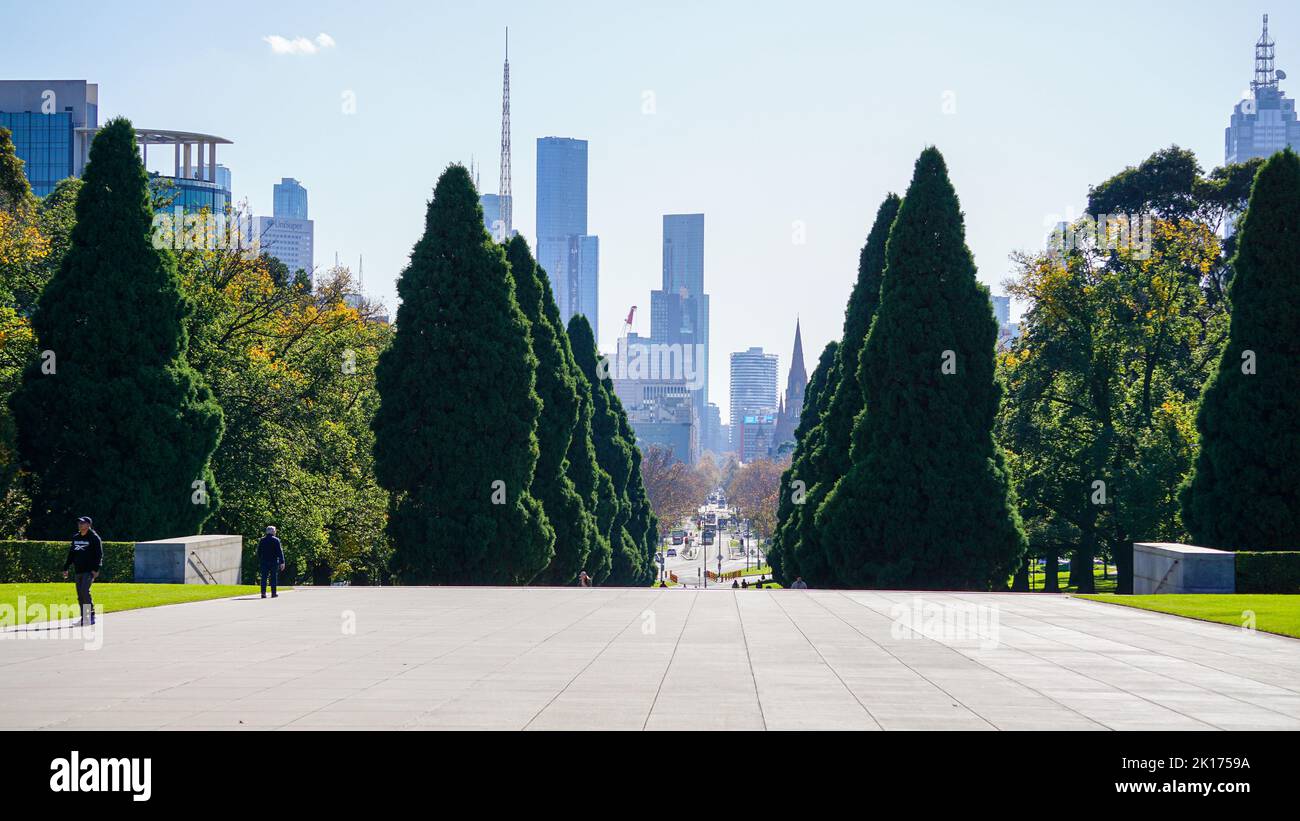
{"type": "Point", "coordinates": [271, 553]}
{"type": "Point", "coordinates": [86, 557]}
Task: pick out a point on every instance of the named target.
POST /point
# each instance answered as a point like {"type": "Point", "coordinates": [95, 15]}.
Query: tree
{"type": "Point", "coordinates": [755, 494]}
{"type": "Point", "coordinates": [613, 453]}
{"type": "Point", "coordinates": [1114, 348]}
{"type": "Point", "coordinates": [575, 526]}
{"type": "Point", "coordinates": [793, 515]}
{"type": "Point", "coordinates": [293, 371]}
{"type": "Point", "coordinates": [114, 422]}
{"type": "Point", "coordinates": [675, 490]}
{"type": "Point", "coordinates": [927, 503]}
{"type": "Point", "coordinates": [846, 401]}
{"type": "Point", "coordinates": [456, 429]}
{"type": "Point", "coordinates": [1245, 491]}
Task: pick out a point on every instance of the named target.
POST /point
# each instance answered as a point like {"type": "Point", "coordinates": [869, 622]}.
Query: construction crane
{"type": "Point", "coordinates": [627, 323]}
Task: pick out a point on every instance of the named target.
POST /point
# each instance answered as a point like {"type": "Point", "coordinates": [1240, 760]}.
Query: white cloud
{"type": "Point", "coordinates": [298, 45]}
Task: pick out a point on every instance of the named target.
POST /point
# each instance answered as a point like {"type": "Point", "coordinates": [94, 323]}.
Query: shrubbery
{"type": "Point", "coordinates": [1273, 572]}
{"type": "Point", "coordinates": [34, 562]}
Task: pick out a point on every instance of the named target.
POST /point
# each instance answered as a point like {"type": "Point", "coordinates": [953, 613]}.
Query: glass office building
{"type": "Point", "coordinates": [1265, 122]}
{"type": "Point", "coordinates": [52, 122]}
{"type": "Point", "coordinates": [564, 249]}
{"type": "Point", "coordinates": [290, 199]}
{"type": "Point", "coordinates": [683, 255]}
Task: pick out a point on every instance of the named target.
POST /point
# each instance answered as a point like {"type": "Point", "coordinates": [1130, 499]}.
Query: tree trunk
{"type": "Point", "coordinates": [1020, 582]}
{"type": "Point", "coordinates": [1123, 568]}
{"type": "Point", "coordinates": [1050, 564]}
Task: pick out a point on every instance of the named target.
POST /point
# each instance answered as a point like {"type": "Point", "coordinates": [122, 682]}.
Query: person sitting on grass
{"type": "Point", "coordinates": [86, 556]}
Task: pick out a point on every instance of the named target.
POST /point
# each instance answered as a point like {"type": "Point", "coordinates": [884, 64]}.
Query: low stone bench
{"type": "Point", "coordinates": [211, 559]}
{"type": "Point", "coordinates": [1165, 567]}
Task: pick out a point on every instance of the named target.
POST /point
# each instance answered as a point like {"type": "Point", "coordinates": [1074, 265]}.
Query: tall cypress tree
{"type": "Point", "coordinates": [792, 503]}
{"type": "Point", "coordinates": [456, 430]}
{"type": "Point", "coordinates": [613, 453]}
{"type": "Point", "coordinates": [643, 525]}
{"type": "Point", "coordinates": [111, 418]}
{"type": "Point", "coordinates": [590, 480]}
{"type": "Point", "coordinates": [846, 403]}
{"type": "Point", "coordinates": [927, 503]}
{"type": "Point", "coordinates": [556, 386]}
{"type": "Point", "coordinates": [1244, 492]}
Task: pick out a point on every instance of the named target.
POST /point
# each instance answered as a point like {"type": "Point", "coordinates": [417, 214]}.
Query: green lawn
{"type": "Point", "coordinates": [1103, 583]}
{"type": "Point", "coordinates": [1273, 613]}
{"type": "Point", "coordinates": [110, 597]}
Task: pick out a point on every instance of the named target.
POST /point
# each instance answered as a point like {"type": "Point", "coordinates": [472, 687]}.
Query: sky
{"type": "Point", "coordinates": [785, 124]}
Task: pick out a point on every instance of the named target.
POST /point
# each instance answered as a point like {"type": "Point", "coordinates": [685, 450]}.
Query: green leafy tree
{"type": "Point", "coordinates": [575, 526]}
{"type": "Point", "coordinates": [456, 429]}
{"type": "Point", "coordinates": [927, 503]}
{"type": "Point", "coordinates": [114, 422]}
{"type": "Point", "coordinates": [1245, 491]}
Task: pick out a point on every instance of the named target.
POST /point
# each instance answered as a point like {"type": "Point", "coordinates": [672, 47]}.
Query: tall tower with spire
{"type": "Point", "coordinates": [792, 402]}
{"type": "Point", "coordinates": [1265, 122]}
{"type": "Point", "coordinates": [503, 190]}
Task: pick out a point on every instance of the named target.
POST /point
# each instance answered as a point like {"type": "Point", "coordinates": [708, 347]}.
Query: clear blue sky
{"type": "Point", "coordinates": [765, 114]}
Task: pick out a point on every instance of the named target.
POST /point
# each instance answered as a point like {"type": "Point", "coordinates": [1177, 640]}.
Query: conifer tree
{"type": "Point", "coordinates": [456, 430]}
{"type": "Point", "coordinates": [111, 419]}
{"type": "Point", "coordinates": [793, 499]}
{"type": "Point", "coordinates": [1244, 492]}
{"type": "Point", "coordinates": [927, 503]}
{"type": "Point", "coordinates": [613, 452]}
{"type": "Point", "coordinates": [556, 386]}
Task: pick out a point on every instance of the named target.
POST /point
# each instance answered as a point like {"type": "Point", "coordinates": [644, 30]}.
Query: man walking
{"type": "Point", "coordinates": [271, 553]}
{"type": "Point", "coordinates": [86, 557]}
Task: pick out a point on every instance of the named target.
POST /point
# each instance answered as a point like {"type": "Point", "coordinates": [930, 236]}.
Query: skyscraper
{"type": "Point", "coordinates": [288, 235]}
{"type": "Point", "coordinates": [791, 406]}
{"type": "Point", "coordinates": [565, 250]}
{"type": "Point", "coordinates": [679, 311]}
{"type": "Point", "coordinates": [753, 384]}
{"type": "Point", "coordinates": [1265, 122]}
{"type": "Point", "coordinates": [289, 199]}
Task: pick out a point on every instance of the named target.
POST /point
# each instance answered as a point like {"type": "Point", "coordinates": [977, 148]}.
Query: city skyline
{"type": "Point", "coordinates": [683, 132]}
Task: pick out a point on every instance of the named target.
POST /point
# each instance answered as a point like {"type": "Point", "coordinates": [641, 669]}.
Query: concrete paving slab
{"type": "Point", "coordinates": [619, 659]}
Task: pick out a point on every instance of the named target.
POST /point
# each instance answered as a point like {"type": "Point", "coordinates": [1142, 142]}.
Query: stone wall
{"type": "Point", "coordinates": [211, 559]}
{"type": "Point", "coordinates": [1163, 567]}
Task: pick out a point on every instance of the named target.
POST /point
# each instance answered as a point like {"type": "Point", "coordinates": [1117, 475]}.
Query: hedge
{"type": "Point", "coordinates": [22, 561]}
{"type": "Point", "coordinates": [1272, 572]}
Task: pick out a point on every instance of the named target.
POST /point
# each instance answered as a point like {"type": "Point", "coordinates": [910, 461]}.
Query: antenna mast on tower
{"type": "Point", "coordinates": [1265, 75]}
{"type": "Point", "coordinates": [503, 191]}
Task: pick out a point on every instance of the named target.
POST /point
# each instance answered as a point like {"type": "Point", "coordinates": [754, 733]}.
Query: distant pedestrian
{"type": "Point", "coordinates": [584, 580]}
{"type": "Point", "coordinates": [271, 553]}
{"type": "Point", "coordinates": [86, 557]}
{"type": "Point", "coordinates": [735, 585]}
{"type": "Point", "coordinates": [799, 584]}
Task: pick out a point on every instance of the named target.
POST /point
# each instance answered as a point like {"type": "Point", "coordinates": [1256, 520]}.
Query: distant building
{"type": "Point", "coordinates": [714, 431]}
{"type": "Point", "coordinates": [755, 435]}
{"type": "Point", "coordinates": [288, 235]}
{"type": "Point", "coordinates": [669, 422]}
{"type": "Point", "coordinates": [53, 122]}
{"type": "Point", "coordinates": [753, 398]}
{"type": "Point", "coordinates": [289, 199]}
{"type": "Point", "coordinates": [790, 407]}
{"type": "Point", "coordinates": [568, 254]}
{"type": "Point", "coordinates": [1265, 122]}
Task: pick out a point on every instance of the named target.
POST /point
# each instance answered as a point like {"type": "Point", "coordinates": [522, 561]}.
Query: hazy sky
{"type": "Point", "coordinates": [774, 119]}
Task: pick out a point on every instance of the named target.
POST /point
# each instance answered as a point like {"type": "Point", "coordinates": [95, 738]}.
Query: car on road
{"type": "Point", "coordinates": [672, 554]}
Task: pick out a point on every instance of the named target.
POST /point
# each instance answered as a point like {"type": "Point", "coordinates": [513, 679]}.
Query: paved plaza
{"type": "Point", "coordinates": [655, 659]}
